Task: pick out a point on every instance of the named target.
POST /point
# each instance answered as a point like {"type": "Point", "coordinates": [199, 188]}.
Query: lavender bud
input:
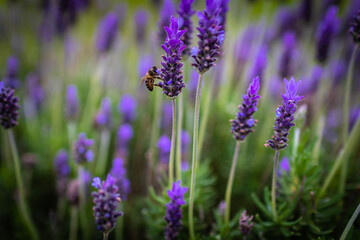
{"type": "Point", "coordinates": [166, 11]}
{"type": "Point", "coordinates": [124, 135]}
{"type": "Point", "coordinates": [118, 171]}
{"type": "Point", "coordinates": [211, 36]}
{"type": "Point", "coordinates": [11, 76]}
{"type": "Point", "coordinates": [141, 20]}
{"type": "Point", "coordinates": [285, 115]}
{"type": "Point", "coordinates": [287, 59]}
{"type": "Point", "coordinates": [244, 123]}
{"type": "Point", "coordinates": [72, 103]}
{"type": "Point", "coordinates": [127, 107]}
{"type": "Point", "coordinates": [185, 12]}
{"type": "Point", "coordinates": [173, 214]}
{"type": "Point", "coordinates": [103, 118]}
{"type": "Point", "coordinates": [107, 31]}
{"type": "Point", "coordinates": [245, 223]}
{"type": "Point", "coordinates": [8, 108]}
{"type": "Point", "coordinates": [106, 200]}
{"type": "Point", "coordinates": [82, 152]}
{"type": "Point", "coordinates": [164, 145]}
{"type": "Point", "coordinates": [355, 27]}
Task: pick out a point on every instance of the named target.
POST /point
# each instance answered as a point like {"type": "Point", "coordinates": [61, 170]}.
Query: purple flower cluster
{"type": "Point", "coordinates": [127, 107]}
{"type": "Point", "coordinates": [107, 31]}
{"type": "Point", "coordinates": [285, 115]}
{"type": "Point", "coordinates": [124, 134]}
{"type": "Point", "coordinates": [355, 28]}
{"type": "Point", "coordinates": [185, 12]}
{"type": "Point", "coordinates": [118, 171]}
{"type": "Point", "coordinates": [103, 118]}
{"type": "Point", "coordinates": [288, 55]}
{"type": "Point", "coordinates": [244, 123]}
{"type": "Point", "coordinates": [12, 70]}
{"type": "Point", "coordinates": [211, 36]}
{"type": "Point", "coordinates": [166, 11]}
{"type": "Point", "coordinates": [259, 64]}
{"type": "Point", "coordinates": [82, 151]}
{"type": "Point", "coordinates": [171, 73]}
{"type": "Point", "coordinates": [245, 223]}
{"type": "Point", "coordinates": [106, 200]}
{"type": "Point", "coordinates": [72, 102]}
{"type": "Point", "coordinates": [173, 210]}
{"type": "Point", "coordinates": [325, 34]}
{"type": "Point", "coordinates": [9, 106]}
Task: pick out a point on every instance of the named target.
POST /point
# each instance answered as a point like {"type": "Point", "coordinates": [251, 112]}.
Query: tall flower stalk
{"type": "Point", "coordinates": [211, 36]}
{"type": "Point", "coordinates": [283, 123]}
{"type": "Point", "coordinates": [242, 126]}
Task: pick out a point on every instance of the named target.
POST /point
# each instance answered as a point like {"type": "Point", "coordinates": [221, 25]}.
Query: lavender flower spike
{"type": "Point", "coordinates": [124, 134]}
{"type": "Point", "coordinates": [171, 73]}
{"type": "Point", "coordinates": [12, 70]}
{"type": "Point", "coordinates": [127, 107]}
{"type": "Point", "coordinates": [8, 108]}
{"type": "Point", "coordinates": [355, 28]}
{"type": "Point", "coordinates": [211, 36]}
{"type": "Point", "coordinates": [103, 118]}
{"type": "Point", "coordinates": [107, 31]}
{"type": "Point", "coordinates": [118, 171]}
{"type": "Point", "coordinates": [72, 103]}
{"type": "Point", "coordinates": [173, 210]}
{"type": "Point", "coordinates": [106, 200]}
{"type": "Point", "coordinates": [243, 124]}
{"type": "Point", "coordinates": [288, 55]}
{"type": "Point", "coordinates": [82, 151]}
{"type": "Point", "coordinates": [185, 12]}
{"type": "Point", "coordinates": [285, 115]}
{"type": "Point", "coordinates": [141, 20]}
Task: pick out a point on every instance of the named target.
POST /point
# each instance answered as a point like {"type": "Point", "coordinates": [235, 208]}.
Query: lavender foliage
{"type": "Point", "coordinates": [118, 171]}
{"type": "Point", "coordinates": [107, 32]}
{"type": "Point", "coordinates": [185, 13]}
{"type": "Point", "coordinates": [82, 152]}
{"type": "Point", "coordinates": [9, 106]}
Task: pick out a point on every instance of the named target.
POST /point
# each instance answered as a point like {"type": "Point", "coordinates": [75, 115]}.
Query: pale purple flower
{"type": "Point", "coordinates": [103, 118]}
{"type": "Point", "coordinates": [107, 31]}
{"type": "Point", "coordinates": [127, 108]}
{"type": "Point", "coordinates": [72, 103]}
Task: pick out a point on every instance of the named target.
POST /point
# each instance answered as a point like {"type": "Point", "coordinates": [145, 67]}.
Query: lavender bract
{"type": "Point", "coordinates": [211, 36]}
{"type": "Point", "coordinates": [103, 118]}
{"type": "Point", "coordinates": [106, 200]}
{"type": "Point", "coordinates": [72, 102]}
{"type": "Point", "coordinates": [12, 70]}
{"type": "Point", "coordinates": [355, 28]}
{"type": "Point", "coordinates": [185, 12]}
{"type": "Point", "coordinates": [127, 107]}
{"type": "Point", "coordinates": [118, 171]}
{"type": "Point", "coordinates": [107, 31]}
{"type": "Point", "coordinates": [243, 124]}
{"type": "Point", "coordinates": [82, 152]}
{"type": "Point", "coordinates": [171, 73]}
{"type": "Point", "coordinates": [166, 11]}
{"type": "Point", "coordinates": [9, 106]}
{"type": "Point", "coordinates": [173, 210]}
{"type": "Point", "coordinates": [285, 115]}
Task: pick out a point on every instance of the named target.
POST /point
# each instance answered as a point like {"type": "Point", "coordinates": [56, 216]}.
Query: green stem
{"type": "Point", "coordinates": [179, 137]}
{"type": "Point", "coordinates": [350, 223]}
{"type": "Point", "coordinates": [103, 152]}
{"type": "Point", "coordinates": [105, 236]}
{"type": "Point", "coordinates": [20, 185]}
{"type": "Point", "coordinates": [73, 223]}
{"type": "Point", "coordinates": [273, 188]}
{"type": "Point", "coordinates": [194, 156]}
{"type": "Point", "coordinates": [346, 109]}
{"type": "Point", "coordinates": [230, 183]}
{"type": "Point", "coordinates": [82, 204]}
{"type": "Point", "coordinates": [319, 135]}
{"type": "Point", "coordinates": [172, 149]}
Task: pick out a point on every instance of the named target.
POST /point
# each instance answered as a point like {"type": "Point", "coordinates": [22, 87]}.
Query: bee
{"type": "Point", "coordinates": [150, 77]}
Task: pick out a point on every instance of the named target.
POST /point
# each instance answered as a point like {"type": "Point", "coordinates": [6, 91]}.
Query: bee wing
{"type": "Point", "coordinates": [142, 80]}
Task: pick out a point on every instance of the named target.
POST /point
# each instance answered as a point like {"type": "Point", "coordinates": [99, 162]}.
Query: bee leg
{"type": "Point", "coordinates": [157, 85]}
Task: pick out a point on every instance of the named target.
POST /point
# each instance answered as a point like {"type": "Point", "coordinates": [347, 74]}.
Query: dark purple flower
{"type": "Point", "coordinates": [36, 91]}
{"type": "Point", "coordinates": [164, 145]}
{"type": "Point", "coordinates": [124, 135]}
{"type": "Point", "coordinates": [118, 171]}
{"type": "Point", "coordinates": [82, 152]}
{"type": "Point", "coordinates": [185, 12]}
{"type": "Point", "coordinates": [355, 28]}
{"type": "Point", "coordinates": [171, 73]}
{"type": "Point", "coordinates": [72, 102]}
{"type": "Point", "coordinates": [287, 58]}
{"type": "Point", "coordinates": [106, 200]}
{"type": "Point", "coordinates": [259, 63]}
{"type": "Point", "coordinates": [107, 31]}
{"type": "Point", "coordinates": [9, 106]}
{"type": "Point", "coordinates": [141, 21]}
{"type": "Point", "coordinates": [285, 115]}
{"type": "Point", "coordinates": [72, 192]}
{"type": "Point", "coordinates": [61, 164]}
{"type": "Point", "coordinates": [127, 107]}
{"type": "Point", "coordinates": [11, 79]}
{"type": "Point", "coordinates": [211, 36]}
{"type": "Point", "coordinates": [326, 31]}
{"type": "Point", "coordinates": [243, 124]}
{"type": "Point", "coordinates": [173, 214]}
{"type": "Point", "coordinates": [166, 11]}
{"type": "Point", "coordinates": [245, 223]}
{"type": "Point", "coordinates": [224, 5]}
{"type": "Point", "coordinates": [103, 118]}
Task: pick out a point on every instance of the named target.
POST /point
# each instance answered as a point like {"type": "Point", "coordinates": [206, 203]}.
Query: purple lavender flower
{"type": "Point", "coordinates": [338, 70]}
{"type": "Point", "coordinates": [103, 118]}
{"type": "Point", "coordinates": [106, 33]}
{"type": "Point", "coordinates": [106, 200]}
{"type": "Point", "coordinates": [11, 76]}
{"type": "Point", "coordinates": [260, 63]}
{"type": "Point", "coordinates": [222, 208]}
{"type": "Point", "coordinates": [36, 92]}
{"type": "Point", "coordinates": [245, 223]}
{"type": "Point", "coordinates": [141, 20]}
{"type": "Point", "coordinates": [285, 115]}
{"type": "Point", "coordinates": [310, 85]}
{"type": "Point", "coordinates": [185, 143]}
{"type": "Point", "coordinates": [171, 73]}
{"type": "Point", "coordinates": [124, 135]}
{"type": "Point", "coordinates": [355, 28]}
{"type": "Point", "coordinates": [61, 164]}
{"type": "Point", "coordinates": [72, 192]}
{"type": "Point", "coordinates": [287, 58]}
{"type": "Point", "coordinates": [185, 12]}
{"type": "Point", "coordinates": [146, 61]}
{"type": "Point", "coordinates": [285, 20]}
{"type": "Point", "coordinates": [166, 116]}
{"type": "Point", "coordinates": [9, 106]}
{"type": "Point", "coordinates": [224, 5]}
{"type": "Point", "coordinates": [164, 145]}
{"type": "Point", "coordinates": [354, 115]}
{"type": "Point", "coordinates": [326, 31]}
{"type": "Point", "coordinates": [166, 11]}
{"type": "Point", "coordinates": [72, 103]}
{"type": "Point", "coordinates": [127, 107]}
{"type": "Point", "coordinates": [82, 152]}
{"type": "Point", "coordinates": [305, 11]}
{"type": "Point", "coordinates": [211, 36]}
{"type": "Point", "coordinates": [118, 171]}
{"type": "Point", "coordinates": [284, 166]}
{"type": "Point", "coordinates": [243, 124]}
{"type": "Point", "coordinates": [173, 214]}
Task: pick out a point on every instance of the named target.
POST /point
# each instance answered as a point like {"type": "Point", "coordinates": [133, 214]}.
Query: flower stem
{"type": "Point", "coordinates": [172, 150]}
{"type": "Point", "coordinates": [179, 137]}
{"type": "Point", "coordinates": [105, 236]}
{"type": "Point", "coordinates": [346, 107]}
{"type": "Point", "coordinates": [73, 223]}
{"type": "Point", "coordinates": [350, 223]}
{"type": "Point", "coordinates": [20, 185]}
{"type": "Point", "coordinates": [103, 152]}
{"type": "Point", "coordinates": [194, 156]}
{"type": "Point", "coordinates": [230, 183]}
{"type": "Point", "coordinates": [273, 188]}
